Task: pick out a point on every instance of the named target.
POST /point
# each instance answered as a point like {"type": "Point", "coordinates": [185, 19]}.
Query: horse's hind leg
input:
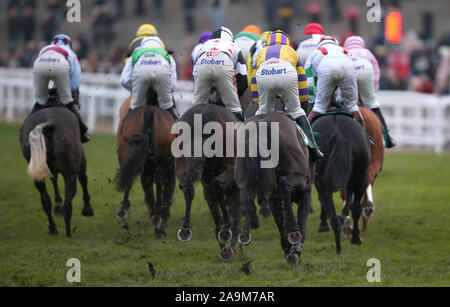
{"type": "Point", "coordinates": [294, 234]}
{"type": "Point", "coordinates": [87, 211]}
{"type": "Point", "coordinates": [344, 219]}
{"type": "Point", "coordinates": [278, 215]}
{"type": "Point", "coordinates": [71, 190]}
{"type": "Point", "coordinates": [326, 201]}
{"type": "Point", "coordinates": [246, 199]}
{"type": "Point", "coordinates": [185, 233]}
{"type": "Point", "coordinates": [236, 213]}
{"type": "Point", "coordinates": [356, 214]}
{"type": "Point", "coordinates": [124, 212]}
{"type": "Point", "coordinates": [147, 181]}
{"type": "Point", "coordinates": [47, 206]}
{"type": "Point", "coordinates": [58, 200]}
{"type": "Point", "coordinates": [323, 227]}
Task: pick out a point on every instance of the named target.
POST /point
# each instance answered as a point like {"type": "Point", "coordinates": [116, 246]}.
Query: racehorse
{"type": "Point", "coordinates": [374, 129]}
{"type": "Point", "coordinates": [50, 140]}
{"type": "Point", "coordinates": [144, 148]}
{"type": "Point", "coordinates": [290, 180]}
{"type": "Point", "coordinates": [346, 147]}
{"type": "Point", "coordinates": [216, 175]}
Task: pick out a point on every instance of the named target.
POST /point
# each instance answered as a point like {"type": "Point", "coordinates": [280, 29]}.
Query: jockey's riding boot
{"type": "Point", "coordinates": [240, 115]}
{"type": "Point", "coordinates": [83, 128]}
{"type": "Point", "coordinates": [358, 116]}
{"type": "Point", "coordinates": [173, 111]}
{"type": "Point", "coordinates": [390, 141]}
{"type": "Point", "coordinates": [315, 152]}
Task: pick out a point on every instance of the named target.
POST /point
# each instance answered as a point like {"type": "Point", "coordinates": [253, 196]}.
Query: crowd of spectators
{"type": "Point", "coordinates": [421, 63]}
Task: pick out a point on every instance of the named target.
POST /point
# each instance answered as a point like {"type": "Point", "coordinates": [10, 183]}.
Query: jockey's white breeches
{"type": "Point", "coordinates": [336, 72]}
{"type": "Point", "coordinates": [151, 70]}
{"type": "Point", "coordinates": [52, 66]}
{"type": "Point", "coordinates": [216, 68]}
{"type": "Point", "coordinates": [276, 76]}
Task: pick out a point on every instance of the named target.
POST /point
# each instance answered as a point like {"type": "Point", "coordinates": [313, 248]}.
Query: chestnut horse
{"type": "Point", "coordinates": [144, 148]}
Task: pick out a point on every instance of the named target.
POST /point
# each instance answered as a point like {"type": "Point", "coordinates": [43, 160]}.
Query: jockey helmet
{"type": "Point", "coordinates": [62, 39]}
{"type": "Point", "coordinates": [278, 38]}
{"type": "Point", "coordinates": [252, 29]}
{"type": "Point", "coordinates": [313, 28]}
{"type": "Point", "coordinates": [146, 30]}
{"type": "Point", "coordinates": [223, 33]}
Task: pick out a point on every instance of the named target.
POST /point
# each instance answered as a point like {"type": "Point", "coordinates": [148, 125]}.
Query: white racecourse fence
{"type": "Point", "coordinates": [417, 121]}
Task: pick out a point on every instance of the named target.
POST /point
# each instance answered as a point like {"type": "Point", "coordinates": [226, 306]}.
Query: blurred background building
{"type": "Point", "coordinates": [420, 62]}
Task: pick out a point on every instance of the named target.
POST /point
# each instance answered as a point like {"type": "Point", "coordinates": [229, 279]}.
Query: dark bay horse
{"type": "Point", "coordinates": [291, 180]}
{"type": "Point", "coordinates": [346, 147]}
{"type": "Point", "coordinates": [50, 140]}
{"type": "Point", "coordinates": [374, 129]}
{"type": "Point", "coordinates": [215, 172]}
{"type": "Point", "coordinates": [144, 149]}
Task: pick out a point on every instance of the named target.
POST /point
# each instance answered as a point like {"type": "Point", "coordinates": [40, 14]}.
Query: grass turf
{"type": "Point", "coordinates": [409, 233]}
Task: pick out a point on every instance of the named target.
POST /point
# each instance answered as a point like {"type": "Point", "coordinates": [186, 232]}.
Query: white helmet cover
{"type": "Point", "coordinates": [223, 33]}
{"type": "Point", "coordinates": [152, 42]}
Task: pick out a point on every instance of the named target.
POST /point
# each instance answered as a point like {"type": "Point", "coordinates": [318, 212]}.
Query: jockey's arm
{"type": "Point", "coordinates": [173, 74]}
{"type": "Point", "coordinates": [127, 72]}
{"type": "Point", "coordinates": [75, 71]}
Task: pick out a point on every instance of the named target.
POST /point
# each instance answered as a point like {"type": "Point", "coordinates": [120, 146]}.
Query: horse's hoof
{"type": "Point", "coordinates": [264, 211]}
{"type": "Point", "coordinates": [156, 222]}
{"type": "Point", "coordinates": [87, 211]}
{"type": "Point", "coordinates": [122, 215]}
{"type": "Point", "coordinates": [226, 254]}
{"type": "Point", "coordinates": [369, 210]}
{"type": "Point", "coordinates": [245, 238]}
{"type": "Point", "coordinates": [160, 234]}
{"type": "Point", "coordinates": [58, 211]}
{"type": "Point", "coordinates": [356, 239]}
{"type": "Point", "coordinates": [224, 236]}
{"type": "Point", "coordinates": [52, 230]}
{"type": "Point", "coordinates": [295, 237]}
{"type": "Point", "coordinates": [293, 258]}
{"type": "Point", "coordinates": [347, 228]}
{"type": "Point", "coordinates": [184, 234]}
{"type": "Point", "coordinates": [254, 223]}
{"type": "Point", "coordinates": [324, 228]}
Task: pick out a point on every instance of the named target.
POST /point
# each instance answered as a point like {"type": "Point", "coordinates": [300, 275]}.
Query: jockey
{"type": "Point", "coordinates": [279, 71]}
{"type": "Point", "coordinates": [58, 62]}
{"type": "Point", "coordinates": [306, 47]}
{"type": "Point", "coordinates": [202, 39]}
{"type": "Point", "coordinates": [368, 78]}
{"type": "Point", "coordinates": [245, 40]}
{"type": "Point", "coordinates": [145, 30]}
{"type": "Point", "coordinates": [220, 62]}
{"type": "Point", "coordinates": [253, 54]}
{"type": "Point", "coordinates": [330, 67]}
{"type": "Point", "coordinates": [151, 65]}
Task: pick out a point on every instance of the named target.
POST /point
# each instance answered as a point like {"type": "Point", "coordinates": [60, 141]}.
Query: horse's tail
{"type": "Point", "coordinates": [140, 147]}
{"type": "Point", "coordinates": [340, 161]}
{"type": "Point", "coordinates": [38, 169]}
{"type": "Point", "coordinates": [260, 181]}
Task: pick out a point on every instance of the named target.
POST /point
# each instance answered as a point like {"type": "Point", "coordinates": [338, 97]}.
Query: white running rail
{"type": "Point", "coordinates": [417, 121]}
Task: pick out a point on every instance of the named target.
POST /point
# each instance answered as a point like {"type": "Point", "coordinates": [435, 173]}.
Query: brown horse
{"type": "Point", "coordinates": [50, 140]}
{"type": "Point", "coordinates": [280, 184]}
{"type": "Point", "coordinates": [144, 148]}
{"type": "Point", "coordinates": [215, 173]}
